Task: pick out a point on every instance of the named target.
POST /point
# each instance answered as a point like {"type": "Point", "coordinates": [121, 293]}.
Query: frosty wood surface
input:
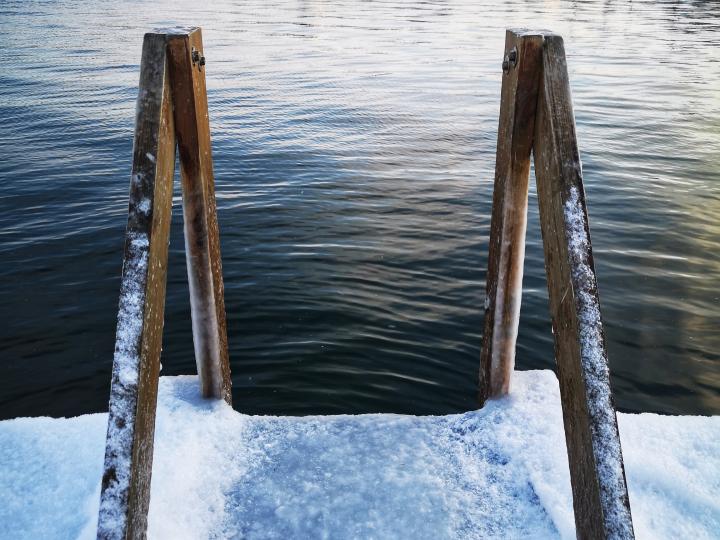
{"type": "Point", "coordinates": [170, 75]}
{"type": "Point", "coordinates": [509, 215]}
{"type": "Point", "coordinates": [136, 364]}
{"type": "Point", "coordinates": [202, 238]}
{"type": "Point", "coordinates": [600, 495]}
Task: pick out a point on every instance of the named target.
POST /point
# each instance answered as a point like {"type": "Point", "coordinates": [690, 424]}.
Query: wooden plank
{"type": "Point", "coordinates": [509, 215]}
{"type": "Point", "coordinates": [600, 498]}
{"type": "Point", "coordinates": [202, 238]}
{"type": "Point", "coordinates": [125, 494]}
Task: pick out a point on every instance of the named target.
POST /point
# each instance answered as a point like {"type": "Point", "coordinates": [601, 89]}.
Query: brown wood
{"type": "Point", "coordinates": [202, 238]}
{"type": "Point", "coordinates": [600, 498]}
{"type": "Point", "coordinates": [168, 76]}
{"type": "Point", "coordinates": [509, 215]}
{"type": "Point", "coordinates": [125, 494]}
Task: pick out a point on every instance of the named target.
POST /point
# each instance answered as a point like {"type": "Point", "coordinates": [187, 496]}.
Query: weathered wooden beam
{"type": "Point", "coordinates": [600, 497]}
{"type": "Point", "coordinates": [136, 365]}
{"type": "Point", "coordinates": [521, 73]}
{"type": "Point", "coordinates": [202, 238]}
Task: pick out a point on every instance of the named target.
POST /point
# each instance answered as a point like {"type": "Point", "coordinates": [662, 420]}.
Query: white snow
{"type": "Point", "coordinates": [132, 301]}
{"type": "Point", "coordinates": [500, 472]}
{"type": "Point", "coordinates": [173, 30]}
{"type": "Point", "coordinates": [126, 368]}
{"type": "Point", "coordinates": [595, 368]}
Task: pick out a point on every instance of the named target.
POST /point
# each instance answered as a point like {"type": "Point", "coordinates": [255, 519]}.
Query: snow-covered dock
{"type": "Point", "coordinates": [500, 472]}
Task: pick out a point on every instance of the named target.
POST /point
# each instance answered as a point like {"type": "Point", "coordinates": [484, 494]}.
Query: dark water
{"type": "Point", "coordinates": [354, 152]}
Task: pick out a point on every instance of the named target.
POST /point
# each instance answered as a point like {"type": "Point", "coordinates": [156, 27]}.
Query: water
{"type": "Point", "coordinates": [354, 155]}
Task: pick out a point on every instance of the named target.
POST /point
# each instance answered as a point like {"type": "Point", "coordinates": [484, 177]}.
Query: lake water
{"type": "Point", "coordinates": [354, 149]}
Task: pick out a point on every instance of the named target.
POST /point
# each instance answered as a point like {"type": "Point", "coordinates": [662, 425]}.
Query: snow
{"type": "Point", "coordinates": [132, 301]}
{"type": "Point", "coordinates": [173, 30]}
{"type": "Point", "coordinates": [595, 369]}
{"type": "Point", "coordinates": [126, 362]}
{"type": "Point", "coordinates": [500, 472]}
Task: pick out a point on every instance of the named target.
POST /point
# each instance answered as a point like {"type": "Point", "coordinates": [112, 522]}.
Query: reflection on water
{"type": "Point", "coordinates": [354, 150]}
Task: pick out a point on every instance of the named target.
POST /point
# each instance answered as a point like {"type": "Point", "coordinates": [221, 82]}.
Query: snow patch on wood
{"type": "Point", "coordinates": [124, 387]}
{"type": "Point", "coordinates": [603, 423]}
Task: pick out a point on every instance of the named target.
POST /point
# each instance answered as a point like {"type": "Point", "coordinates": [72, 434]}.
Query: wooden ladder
{"type": "Point", "coordinates": [171, 112]}
{"type": "Point", "coordinates": [536, 119]}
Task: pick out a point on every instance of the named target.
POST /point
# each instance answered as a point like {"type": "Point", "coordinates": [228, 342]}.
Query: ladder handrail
{"type": "Point", "coordinates": [536, 116]}
{"type": "Point", "coordinates": [171, 112]}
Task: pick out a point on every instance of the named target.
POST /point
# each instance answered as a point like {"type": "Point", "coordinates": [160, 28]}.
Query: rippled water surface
{"type": "Point", "coordinates": [354, 155]}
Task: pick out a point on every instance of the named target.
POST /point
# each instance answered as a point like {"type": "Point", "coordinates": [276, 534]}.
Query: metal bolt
{"type": "Point", "coordinates": [510, 60]}
{"type": "Point", "coordinates": [197, 58]}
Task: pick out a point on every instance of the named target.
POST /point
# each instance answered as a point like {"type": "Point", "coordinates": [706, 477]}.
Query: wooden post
{"type": "Point", "coordinates": [521, 73]}
{"type": "Point", "coordinates": [536, 114]}
{"type": "Point", "coordinates": [202, 238]}
{"type": "Point", "coordinates": [125, 494]}
{"type": "Point", "coordinates": [600, 497]}
{"type": "Point", "coordinates": [171, 79]}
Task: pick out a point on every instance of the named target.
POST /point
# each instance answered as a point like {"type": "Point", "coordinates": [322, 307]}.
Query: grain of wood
{"type": "Point", "coordinates": [125, 495]}
{"type": "Point", "coordinates": [509, 215]}
{"type": "Point", "coordinates": [202, 236]}
{"type": "Point", "coordinates": [600, 498]}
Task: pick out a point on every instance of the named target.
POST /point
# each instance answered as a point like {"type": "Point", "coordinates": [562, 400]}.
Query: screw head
{"type": "Point", "coordinates": [510, 60]}
{"type": "Point", "coordinates": [197, 58]}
